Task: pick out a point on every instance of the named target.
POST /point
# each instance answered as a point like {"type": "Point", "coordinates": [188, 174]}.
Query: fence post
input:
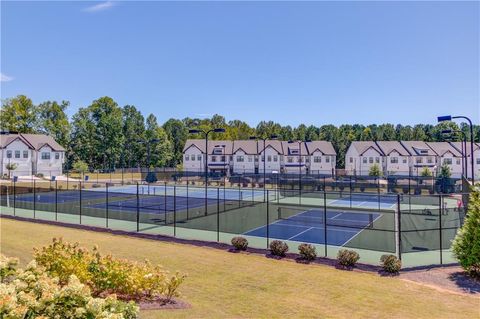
{"type": "Point", "coordinates": [218, 214]}
{"type": "Point", "coordinates": [106, 204]}
{"type": "Point", "coordinates": [268, 221]}
{"type": "Point", "coordinates": [174, 210]}
{"type": "Point", "coordinates": [399, 228]}
{"type": "Point", "coordinates": [34, 200]}
{"type": "Point", "coordinates": [80, 195]}
{"type": "Point", "coordinates": [56, 200]}
{"type": "Point", "coordinates": [14, 196]}
{"type": "Point", "coordinates": [378, 192]}
{"type": "Point", "coordinates": [325, 220]}
{"type": "Point", "coordinates": [165, 202]}
{"type": "Point", "coordinates": [138, 210]}
{"type": "Point", "coordinates": [441, 199]}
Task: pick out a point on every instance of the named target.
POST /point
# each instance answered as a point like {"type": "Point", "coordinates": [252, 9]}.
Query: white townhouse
{"type": "Point", "coordinates": [361, 156]}
{"type": "Point", "coordinates": [421, 156]}
{"type": "Point", "coordinates": [322, 158]}
{"type": "Point", "coordinates": [448, 154]}
{"type": "Point", "coordinates": [33, 154]}
{"type": "Point", "coordinates": [476, 157]}
{"type": "Point", "coordinates": [396, 160]}
{"type": "Point", "coordinates": [251, 156]}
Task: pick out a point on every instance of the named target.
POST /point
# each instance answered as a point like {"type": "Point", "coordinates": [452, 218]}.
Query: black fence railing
{"type": "Point", "coordinates": [417, 228]}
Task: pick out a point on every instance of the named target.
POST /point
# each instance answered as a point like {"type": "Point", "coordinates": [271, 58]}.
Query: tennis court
{"type": "Point", "coordinates": [367, 201]}
{"type": "Point", "coordinates": [309, 226]}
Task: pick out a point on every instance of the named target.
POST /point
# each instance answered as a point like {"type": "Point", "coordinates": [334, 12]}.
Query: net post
{"type": "Point", "coordinates": [399, 229]}
{"type": "Point", "coordinates": [268, 221]}
{"type": "Point", "coordinates": [165, 201]}
{"type": "Point", "coordinates": [218, 214]}
{"type": "Point", "coordinates": [106, 204]}
{"type": "Point", "coordinates": [56, 200]}
{"type": "Point", "coordinates": [80, 202]}
{"type": "Point", "coordinates": [34, 200]}
{"type": "Point", "coordinates": [138, 209]}
{"type": "Point", "coordinates": [239, 196]}
{"type": "Point", "coordinates": [378, 192]}
{"type": "Point", "coordinates": [174, 210]}
{"type": "Point", "coordinates": [440, 199]}
{"type": "Point", "coordinates": [325, 221]}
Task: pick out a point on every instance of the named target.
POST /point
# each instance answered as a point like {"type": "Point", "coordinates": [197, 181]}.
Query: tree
{"type": "Point", "coordinates": [53, 121]}
{"type": "Point", "coordinates": [466, 245]}
{"type": "Point", "coordinates": [375, 171]}
{"type": "Point", "coordinates": [425, 172]}
{"type": "Point", "coordinates": [177, 134]}
{"type": "Point", "coordinates": [133, 131]}
{"type": "Point", "coordinates": [11, 167]}
{"type": "Point", "coordinates": [18, 114]}
{"type": "Point", "coordinates": [160, 151]}
{"type": "Point", "coordinates": [80, 167]}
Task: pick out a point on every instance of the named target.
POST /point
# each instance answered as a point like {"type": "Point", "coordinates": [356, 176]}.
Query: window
{"type": "Point", "coordinates": [478, 161]}
{"type": "Point", "coordinates": [317, 159]}
{"type": "Point", "coordinates": [239, 158]}
{"type": "Point", "coordinates": [294, 151]}
{"type": "Point", "coordinates": [377, 159]}
{"type": "Point", "coordinates": [351, 159]}
{"type": "Point", "coordinates": [290, 159]}
{"type": "Point", "coordinates": [370, 160]}
{"type": "Point", "coordinates": [199, 157]}
{"type": "Point", "coordinates": [429, 160]}
{"type": "Point", "coordinates": [404, 160]}
{"type": "Point", "coordinates": [299, 159]}
{"type": "Point", "coordinates": [307, 159]}
{"type": "Point", "coordinates": [263, 158]}
{"type": "Point", "coordinates": [458, 162]}
{"type": "Point", "coordinates": [419, 160]}
{"type": "Point", "coordinates": [447, 161]}
{"type": "Point", "coordinates": [25, 154]}
{"type": "Point", "coordinates": [217, 151]}
{"type": "Point", "coordinates": [269, 158]}
{"type": "Point", "coordinates": [231, 158]}
{"type": "Point", "coordinates": [393, 160]}
{"type": "Point", "coordinates": [45, 155]}
{"type": "Point", "coordinates": [275, 158]}
{"type": "Point", "coordinates": [223, 158]}
{"type": "Point", "coordinates": [9, 154]}
{"type": "Point", "coordinates": [214, 158]}
{"type": "Point", "coordinates": [187, 157]}
{"type": "Point", "coordinates": [256, 158]}
{"type": "Point", "coordinates": [17, 154]}
{"type": "Point", "coordinates": [250, 158]}
{"type": "Point", "coordinates": [327, 159]}
{"type": "Point", "coordinates": [57, 155]}
{"type": "Point", "coordinates": [364, 160]}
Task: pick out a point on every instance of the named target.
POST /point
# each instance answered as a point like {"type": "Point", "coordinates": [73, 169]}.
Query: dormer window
{"type": "Point", "coordinates": [218, 150]}
{"type": "Point", "coordinates": [294, 151]}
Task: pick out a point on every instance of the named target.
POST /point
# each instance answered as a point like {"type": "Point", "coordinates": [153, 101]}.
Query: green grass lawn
{"type": "Point", "coordinates": [227, 285]}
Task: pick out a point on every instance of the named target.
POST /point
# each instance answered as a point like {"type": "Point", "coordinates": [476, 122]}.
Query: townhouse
{"type": "Point", "coordinates": [476, 157]}
{"type": "Point", "coordinates": [251, 156]}
{"type": "Point", "coordinates": [32, 153]}
{"type": "Point", "coordinates": [404, 158]}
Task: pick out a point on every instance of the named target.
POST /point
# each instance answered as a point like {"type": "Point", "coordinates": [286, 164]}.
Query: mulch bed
{"type": "Point", "coordinates": [162, 304]}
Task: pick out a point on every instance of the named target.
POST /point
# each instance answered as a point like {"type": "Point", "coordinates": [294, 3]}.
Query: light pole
{"type": "Point", "coordinates": [272, 137]}
{"type": "Point", "coordinates": [449, 118]}
{"type": "Point", "coordinates": [196, 131]}
{"type": "Point", "coordinates": [463, 144]}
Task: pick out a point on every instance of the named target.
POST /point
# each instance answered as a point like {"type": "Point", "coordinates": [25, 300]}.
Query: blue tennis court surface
{"type": "Point", "coordinates": [367, 201]}
{"type": "Point", "coordinates": [61, 196]}
{"type": "Point", "coordinates": [309, 226]}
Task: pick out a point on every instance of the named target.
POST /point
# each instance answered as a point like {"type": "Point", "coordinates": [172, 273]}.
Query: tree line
{"type": "Point", "coordinates": [106, 135]}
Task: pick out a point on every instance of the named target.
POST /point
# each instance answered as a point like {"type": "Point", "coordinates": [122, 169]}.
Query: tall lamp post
{"type": "Point", "coordinates": [463, 150]}
{"type": "Point", "coordinates": [196, 131]}
{"type": "Point", "coordinates": [272, 137]}
{"type": "Point", "coordinates": [447, 118]}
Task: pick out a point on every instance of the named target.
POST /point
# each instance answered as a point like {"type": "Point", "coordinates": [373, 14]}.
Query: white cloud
{"type": "Point", "coordinates": [99, 7]}
{"type": "Point", "coordinates": [5, 78]}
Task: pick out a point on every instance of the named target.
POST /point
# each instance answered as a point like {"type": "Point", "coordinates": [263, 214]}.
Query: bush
{"type": "Point", "coordinates": [240, 243]}
{"type": "Point", "coordinates": [347, 258]}
{"type": "Point", "coordinates": [466, 245]}
{"type": "Point", "coordinates": [307, 252]}
{"type": "Point", "coordinates": [278, 248]}
{"type": "Point", "coordinates": [39, 175]}
{"type": "Point", "coordinates": [107, 275]}
{"type": "Point", "coordinates": [33, 293]}
{"type": "Point", "coordinates": [391, 264]}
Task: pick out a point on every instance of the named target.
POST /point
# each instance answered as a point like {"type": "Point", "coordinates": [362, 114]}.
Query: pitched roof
{"type": "Point", "coordinates": [322, 146]}
{"type": "Point", "coordinates": [275, 144]}
{"type": "Point", "coordinates": [200, 144]}
{"type": "Point", "coordinates": [458, 146]}
{"type": "Point", "coordinates": [418, 148]}
{"type": "Point", "coordinates": [441, 148]}
{"type": "Point", "coordinates": [388, 147]}
{"type": "Point", "coordinates": [363, 146]}
{"type": "Point", "coordinates": [248, 146]}
{"type": "Point", "coordinates": [289, 147]}
{"type": "Point", "coordinates": [33, 141]}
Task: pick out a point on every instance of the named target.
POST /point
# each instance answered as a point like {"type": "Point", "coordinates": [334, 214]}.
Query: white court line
{"type": "Point", "coordinates": [336, 215]}
{"type": "Point", "coordinates": [300, 233]}
{"type": "Point", "coordinates": [361, 230]}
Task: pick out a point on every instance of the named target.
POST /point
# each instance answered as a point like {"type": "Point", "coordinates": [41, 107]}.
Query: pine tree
{"type": "Point", "coordinates": [466, 245]}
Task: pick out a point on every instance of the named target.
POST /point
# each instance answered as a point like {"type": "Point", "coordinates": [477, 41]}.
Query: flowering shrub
{"type": "Point", "coordinates": [32, 293]}
{"type": "Point", "coordinates": [347, 258]}
{"type": "Point", "coordinates": [108, 275]}
{"type": "Point", "coordinates": [7, 267]}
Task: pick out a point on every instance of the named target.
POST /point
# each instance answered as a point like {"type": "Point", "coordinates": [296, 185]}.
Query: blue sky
{"type": "Point", "coordinates": [310, 62]}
